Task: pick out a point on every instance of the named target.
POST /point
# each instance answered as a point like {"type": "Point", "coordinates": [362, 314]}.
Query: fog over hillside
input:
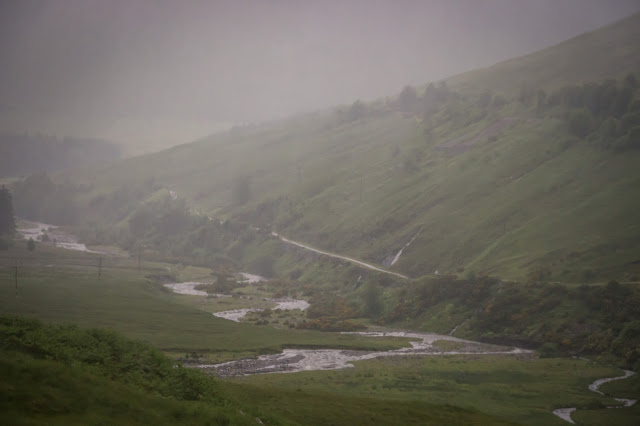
{"type": "Point", "coordinates": [155, 73]}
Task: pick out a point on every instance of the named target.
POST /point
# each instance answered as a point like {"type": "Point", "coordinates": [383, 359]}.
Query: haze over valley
{"type": "Point", "coordinates": [421, 212]}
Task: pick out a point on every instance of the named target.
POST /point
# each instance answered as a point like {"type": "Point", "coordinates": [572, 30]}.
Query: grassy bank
{"type": "Point", "coordinates": [523, 391]}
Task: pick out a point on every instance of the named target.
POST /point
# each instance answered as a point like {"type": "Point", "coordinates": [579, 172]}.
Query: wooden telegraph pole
{"type": "Point", "coordinates": [16, 266]}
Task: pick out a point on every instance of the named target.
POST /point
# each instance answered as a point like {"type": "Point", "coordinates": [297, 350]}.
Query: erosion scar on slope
{"type": "Point", "coordinates": [337, 256]}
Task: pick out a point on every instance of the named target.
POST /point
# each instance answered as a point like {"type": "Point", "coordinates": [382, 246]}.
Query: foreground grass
{"type": "Point", "coordinates": [523, 391]}
{"type": "Point", "coordinates": [314, 407]}
{"type": "Point", "coordinates": [46, 392]}
{"type": "Point", "coordinates": [66, 375]}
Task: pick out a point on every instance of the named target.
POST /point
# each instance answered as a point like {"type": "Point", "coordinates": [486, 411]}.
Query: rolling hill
{"type": "Point", "coordinates": [510, 170]}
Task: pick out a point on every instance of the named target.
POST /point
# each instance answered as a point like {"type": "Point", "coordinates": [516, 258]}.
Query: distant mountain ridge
{"type": "Point", "coordinates": [23, 154]}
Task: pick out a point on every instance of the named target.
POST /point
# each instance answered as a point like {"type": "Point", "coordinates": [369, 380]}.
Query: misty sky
{"type": "Point", "coordinates": [172, 71]}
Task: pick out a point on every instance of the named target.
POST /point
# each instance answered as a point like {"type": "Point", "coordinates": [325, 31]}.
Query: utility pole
{"type": "Point", "coordinates": [139, 256]}
{"type": "Point", "coordinates": [16, 267]}
{"type": "Point", "coordinates": [99, 267]}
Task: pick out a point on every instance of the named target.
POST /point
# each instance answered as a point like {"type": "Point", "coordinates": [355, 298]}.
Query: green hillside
{"type": "Point", "coordinates": [525, 172]}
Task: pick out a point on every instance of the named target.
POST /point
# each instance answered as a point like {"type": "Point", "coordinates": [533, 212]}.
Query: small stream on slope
{"type": "Point", "coordinates": [397, 256]}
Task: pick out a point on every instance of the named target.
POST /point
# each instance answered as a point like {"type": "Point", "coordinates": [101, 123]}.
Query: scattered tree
{"type": "Point", "coordinates": [408, 99]}
{"type": "Point", "coordinates": [580, 123]}
{"type": "Point", "coordinates": [7, 218]}
{"type": "Point", "coordinates": [356, 111]}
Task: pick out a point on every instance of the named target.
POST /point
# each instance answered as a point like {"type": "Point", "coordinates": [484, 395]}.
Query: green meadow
{"type": "Point", "coordinates": [62, 286]}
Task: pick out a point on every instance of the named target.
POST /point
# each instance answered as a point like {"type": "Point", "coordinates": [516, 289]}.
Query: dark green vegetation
{"type": "Point", "coordinates": [67, 375]}
{"type": "Point", "coordinates": [7, 219]}
{"type": "Point", "coordinates": [558, 319]}
{"type": "Point", "coordinates": [23, 154]}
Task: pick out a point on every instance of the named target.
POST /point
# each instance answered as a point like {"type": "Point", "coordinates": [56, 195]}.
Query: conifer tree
{"type": "Point", "coordinates": [7, 219]}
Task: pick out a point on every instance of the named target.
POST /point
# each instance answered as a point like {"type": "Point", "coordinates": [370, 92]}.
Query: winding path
{"type": "Point", "coordinates": [337, 256]}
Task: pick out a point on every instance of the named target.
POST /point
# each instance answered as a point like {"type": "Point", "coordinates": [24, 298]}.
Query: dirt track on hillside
{"type": "Point", "coordinates": [337, 256]}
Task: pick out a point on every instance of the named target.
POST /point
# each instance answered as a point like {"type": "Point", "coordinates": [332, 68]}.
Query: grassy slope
{"type": "Point", "coordinates": [514, 202]}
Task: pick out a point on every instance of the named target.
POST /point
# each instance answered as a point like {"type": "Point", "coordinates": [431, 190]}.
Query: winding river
{"type": "Point", "coordinates": [295, 360]}
{"type": "Point", "coordinates": [565, 413]}
{"type": "Point", "coordinates": [37, 230]}
{"type": "Point", "coordinates": [236, 315]}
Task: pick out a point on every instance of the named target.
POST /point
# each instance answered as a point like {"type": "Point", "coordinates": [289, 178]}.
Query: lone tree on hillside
{"type": "Point", "coordinates": [7, 219]}
{"type": "Point", "coordinates": [408, 99]}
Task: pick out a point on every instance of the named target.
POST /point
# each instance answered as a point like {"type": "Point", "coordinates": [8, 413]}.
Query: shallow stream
{"type": "Point", "coordinates": [237, 314]}
{"type": "Point", "coordinates": [37, 230]}
{"type": "Point", "coordinates": [294, 360]}
{"type": "Point", "coordinates": [565, 413]}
